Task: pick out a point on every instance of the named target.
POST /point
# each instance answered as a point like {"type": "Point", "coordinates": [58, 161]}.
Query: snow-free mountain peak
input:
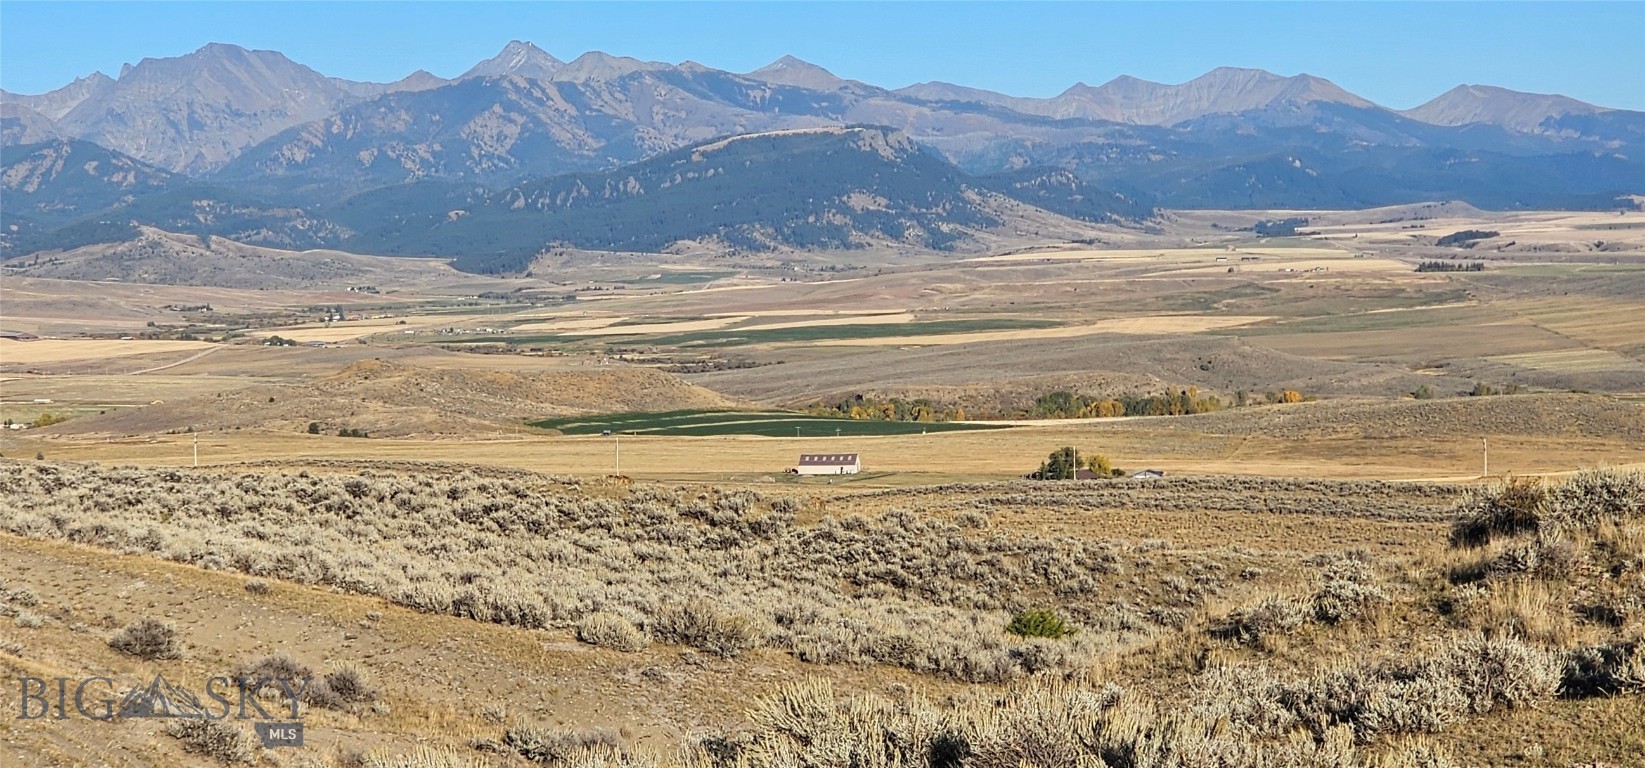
{"type": "Point", "coordinates": [517, 58]}
{"type": "Point", "coordinates": [790, 70]}
{"type": "Point", "coordinates": [1515, 110]}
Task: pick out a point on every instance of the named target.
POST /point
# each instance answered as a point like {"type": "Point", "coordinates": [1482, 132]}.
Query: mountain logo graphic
{"type": "Point", "coordinates": [160, 699]}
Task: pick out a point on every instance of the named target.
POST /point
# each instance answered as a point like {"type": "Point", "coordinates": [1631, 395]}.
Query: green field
{"type": "Point", "coordinates": [762, 423]}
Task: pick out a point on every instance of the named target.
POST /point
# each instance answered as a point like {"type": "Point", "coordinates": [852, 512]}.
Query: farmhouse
{"type": "Point", "coordinates": [829, 464]}
{"type": "Point", "coordinates": [1148, 474]}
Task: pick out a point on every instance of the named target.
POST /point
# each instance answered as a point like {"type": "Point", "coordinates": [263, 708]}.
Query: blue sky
{"type": "Point", "coordinates": [1397, 54]}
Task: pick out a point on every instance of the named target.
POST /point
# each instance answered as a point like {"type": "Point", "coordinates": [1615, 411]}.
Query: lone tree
{"type": "Point", "coordinates": [1058, 466]}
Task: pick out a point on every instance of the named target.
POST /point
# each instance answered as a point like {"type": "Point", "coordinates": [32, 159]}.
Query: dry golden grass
{"type": "Point", "coordinates": [900, 460]}
{"type": "Point", "coordinates": [1574, 361]}
{"type": "Point", "coordinates": [1157, 324]}
{"type": "Point", "coordinates": [41, 351]}
{"type": "Point", "coordinates": [1606, 324]}
{"type": "Point", "coordinates": [683, 326]}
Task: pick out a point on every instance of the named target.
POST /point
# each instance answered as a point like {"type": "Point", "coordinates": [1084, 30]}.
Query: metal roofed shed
{"type": "Point", "coordinates": [829, 464]}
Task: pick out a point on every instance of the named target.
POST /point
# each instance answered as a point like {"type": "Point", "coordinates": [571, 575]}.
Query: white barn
{"type": "Point", "coordinates": [829, 464]}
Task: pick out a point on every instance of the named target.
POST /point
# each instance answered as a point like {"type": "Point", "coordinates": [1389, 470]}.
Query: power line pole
{"type": "Point", "coordinates": [1487, 442]}
{"type": "Point", "coordinates": [196, 449]}
{"type": "Point", "coordinates": [619, 439]}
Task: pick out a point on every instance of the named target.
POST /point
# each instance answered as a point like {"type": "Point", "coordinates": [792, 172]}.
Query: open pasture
{"type": "Point", "coordinates": [40, 351]}
{"type": "Point", "coordinates": [1575, 361]}
{"type": "Point", "coordinates": [1283, 441]}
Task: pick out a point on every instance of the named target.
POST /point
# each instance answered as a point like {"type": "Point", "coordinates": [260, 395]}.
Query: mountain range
{"type": "Point", "coordinates": [269, 141]}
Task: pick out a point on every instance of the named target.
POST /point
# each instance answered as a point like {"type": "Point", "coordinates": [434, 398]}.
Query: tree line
{"type": "Point", "coordinates": [1061, 404]}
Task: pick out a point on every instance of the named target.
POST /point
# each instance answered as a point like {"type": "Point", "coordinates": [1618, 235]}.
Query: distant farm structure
{"type": "Point", "coordinates": [828, 464]}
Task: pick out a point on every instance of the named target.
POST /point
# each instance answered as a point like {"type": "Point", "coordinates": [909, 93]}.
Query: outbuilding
{"type": "Point", "coordinates": [829, 464]}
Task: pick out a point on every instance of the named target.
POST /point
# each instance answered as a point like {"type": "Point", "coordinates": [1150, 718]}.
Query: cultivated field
{"type": "Point", "coordinates": [768, 424]}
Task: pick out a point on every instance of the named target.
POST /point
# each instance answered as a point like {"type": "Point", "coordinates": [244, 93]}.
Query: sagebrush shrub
{"type": "Point", "coordinates": [351, 684]}
{"type": "Point", "coordinates": [1505, 509]}
{"type": "Point", "coordinates": [420, 757]}
{"type": "Point", "coordinates": [1268, 617]}
{"type": "Point", "coordinates": [215, 739]}
{"type": "Point", "coordinates": [148, 638]}
{"type": "Point", "coordinates": [1595, 496]}
{"type": "Point", "coordinates": [1348, 591]}
{"type": "Point", "coordinates": [609, 630]}
{"type": "Point", "coordinates": [555, 746]}
{"type": "Point", "coordinates": [702, 624]}
{"type": "Point", "coordinates": [1604, 670]}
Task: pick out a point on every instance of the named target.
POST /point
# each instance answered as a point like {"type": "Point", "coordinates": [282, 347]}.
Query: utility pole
{"type": "Point", "coordinates": [619, 439]}
{"type": "Point", "coordinates": [1076, 469]}
{"type": "Point", "coordinates": [796, 431]}
{"type": "Point", "coordinates": [196, 449]}
{"type": "Point", "coordinates": [1487, 442]}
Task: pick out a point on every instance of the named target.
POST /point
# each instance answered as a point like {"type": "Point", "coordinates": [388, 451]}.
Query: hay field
{"type": "Point", "coordinates": [1575, 361]}
{"type": "Point", "coordinates": [683, 326]}
{"type": "Point", "coordinates": [1605, 324]}
{"type": "Point", "coordinates": [38, 351]}
{"type": "Point", "coordinates": [1158, 324]}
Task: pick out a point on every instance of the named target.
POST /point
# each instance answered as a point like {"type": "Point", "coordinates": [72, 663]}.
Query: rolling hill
{"type": "Point", "coordinates": [824, 188]}
{"type": "Point", "coordinates": [817, 188]}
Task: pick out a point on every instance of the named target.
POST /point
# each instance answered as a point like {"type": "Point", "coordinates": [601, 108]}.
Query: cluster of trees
{"type": "Point", "coordinates": [1279, 227]}
{"type": "Point", "coordinates": [279, 341]}
{"type": "Point", "coordinates": [1466, 236]}
{"type": "Point", "coordinates": [1064, 462]}
{"type": "Point", "coordinates": [1451, 266]}
{"type": "Point", "coordinates": [1063, 404]}
{"type": "Point", "coordinates": [1481, 389]}
{"type": "Point", "coordinates": [314, 429]}
{"type": "Point", "coordinates": [46, 419]}
{"type": "Point", "coordinates": [895, 409]}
